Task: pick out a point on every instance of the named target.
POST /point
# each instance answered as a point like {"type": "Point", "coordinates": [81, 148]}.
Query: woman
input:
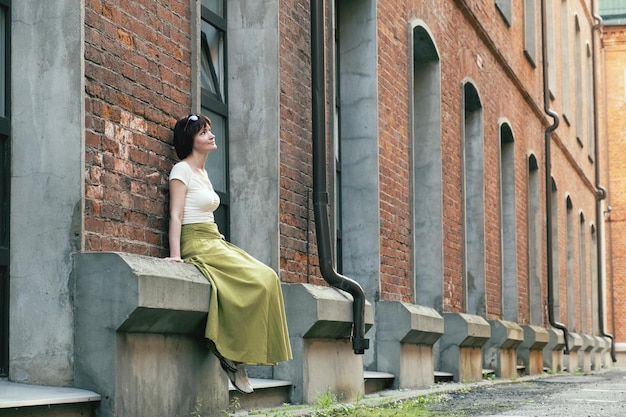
{"type": "Point", "coordinates": [246, 321]}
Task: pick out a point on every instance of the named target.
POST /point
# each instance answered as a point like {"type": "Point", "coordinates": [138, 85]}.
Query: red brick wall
{"type": "Point", "coordinates": [137, 82]}
{"type": "Point", "coordinates": [614, 40]}
{"type": "Point", "coordinates": [295, 146]}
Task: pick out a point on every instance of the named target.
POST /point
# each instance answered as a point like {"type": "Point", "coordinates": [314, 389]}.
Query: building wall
{"type": "Point", "coordinates": [106, 175]}
{"type": "Point", "coordinates": [614, 41]}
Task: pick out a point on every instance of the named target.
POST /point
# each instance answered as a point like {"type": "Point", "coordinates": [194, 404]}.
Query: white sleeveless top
{"type": "Point", "coordinates": [201, 200]}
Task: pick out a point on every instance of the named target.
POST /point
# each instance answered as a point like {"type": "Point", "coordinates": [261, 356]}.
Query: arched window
{"type": "Point", "coordinates": [570, 262]}
{"type": "Point", "coordinates": [535, 299]}
{"type": "Point", "coordinates": [508, 223]}
{"type": "Point", "coordinates": [473, 201]}
{"type": "Point", "coordinates": [426, 171]}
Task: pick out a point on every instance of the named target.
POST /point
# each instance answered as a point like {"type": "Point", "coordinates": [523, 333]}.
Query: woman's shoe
{"type": "Point", "coordinates": [239, 379]}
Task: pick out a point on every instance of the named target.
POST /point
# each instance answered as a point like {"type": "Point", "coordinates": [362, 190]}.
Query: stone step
{"type": "Point", "coordinates": [441, 376]}
{"type": "Point", "coordinates": [267, 393]}
{"type": "Point", "coordinates": [377, 381]}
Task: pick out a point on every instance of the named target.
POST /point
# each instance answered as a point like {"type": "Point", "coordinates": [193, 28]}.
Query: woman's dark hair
{"type": "Point", "coordinates": [185, 130]}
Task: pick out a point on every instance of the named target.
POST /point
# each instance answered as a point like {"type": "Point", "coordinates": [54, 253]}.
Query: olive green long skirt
{"type": "Point", "coordinates": [246, 319]}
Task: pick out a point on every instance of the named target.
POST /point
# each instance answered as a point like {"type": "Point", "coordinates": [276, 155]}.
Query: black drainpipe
{"type": "Point", "coordinates": [601, 194]}
{"type": "Point", "coordinates": [320, 193]}
{"type": "Point", "coordinates": [547, 139]}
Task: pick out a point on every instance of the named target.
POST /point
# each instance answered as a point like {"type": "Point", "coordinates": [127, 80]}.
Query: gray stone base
{"type": "Point", "coordinates": [461, 346]}
{"type": "Point", "coordinates": [405, 342]}
{"type": "Point", "coordinates": [139, 328]}
{"type": "Point", "coordinates": [500, 351]}
{"type": "Point", "coordinates": [530, 351]}
{"type": "Point", "coordinates": [320, 326]}
{"type": "Point", "coordinates": [585, 352]}
{"type": "Point", "coordinates": [553, 351]}
{"type": "Point", "coordinates": [575, 344]}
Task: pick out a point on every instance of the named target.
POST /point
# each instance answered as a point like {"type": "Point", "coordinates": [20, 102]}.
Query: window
{"type": "Point", "coordinates": [535, 228]}
{"type": "Point", "coordinates": [504, 7]}
{"type": "Point", "coordinates": [578, 79]}
{"type": "Point", "coordinates": [508, 223]}
{"type": "Point", "coordinates": [5, 174]}
{"type": "Point", "coordinates": [591, 146]}
{"type": "Point", "coordinates": [565, 62]}
{"type": "Point", "coordinates": [426, 170]}
{"type": "Point", "coordinates": [582, 266]}
{"type": "Point", "coordinates": [473, 201]}
{"type": "Point", "coordinates": [530, 31]}
{"type": "Point", "coordinates": [551, 47]}
{"type": "Point", "coordinates": [214, 100]}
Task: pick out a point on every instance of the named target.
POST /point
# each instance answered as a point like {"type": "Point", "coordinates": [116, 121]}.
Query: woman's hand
{"type": "Point", "coordinates": [174, 259]}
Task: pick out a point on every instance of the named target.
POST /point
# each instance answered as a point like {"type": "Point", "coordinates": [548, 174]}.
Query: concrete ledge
{"type": "Point", "coordinates": [535, 337]}
{"type": "Point", "coordinates": [575, 343]}
{"type": "Point", "coordinates": [465, 330]}
{"type": "Point", "coordinates": [461, 345]}
{"type": "Point", "coordinates": [404, 343]}
{"type": "Point", "coordinates": [553, 351]}
{"type": "Point", "coordinates": [499, 352]}
{"type": "Point", "coordinates": [530, 351]}
{"type": "Point", "coordinates": [14, 395]}
{"type": "Point", "coordinates": [320, 328]}
{"type": "Point", "coordinates": [585, 354]}
{"type": "Point", "coordinates": [139, 336]}
{"type": "Point", "coordinates": [140, 293]}
{"type": "Point", "coordinates": [597, 352]}
{"type": "Point", "coordinates": [408, 323]}
{"type": "Point", "coordinates": [589, 343]}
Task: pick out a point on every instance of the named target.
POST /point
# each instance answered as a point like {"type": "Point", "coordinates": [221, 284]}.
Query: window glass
{"type": "Point", "coordinates": [216, 162]}
{"type": "Point", "coordinates": [216, 6]}
{"type": "Point", "coordinates": [212, 76]}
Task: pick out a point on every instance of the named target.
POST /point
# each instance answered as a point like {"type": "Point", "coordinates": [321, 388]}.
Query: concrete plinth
{"type": "Point", "coordinates": [585, 352]}
{"type": "Point", "coordinates": [499, 352]}
{"type": "Point", "coordinates": [461, 346]}
{"type": "Point", "coordinates": [320, 327]}
{"type": "Point", "coordinates": [141, 345]}
{"type": "Point", "coordinates": [596, 352]}
{"type": "Point", "coordinates": [405, 342]}
{"type": "Point", "coordinates": [575, 343]}
{"type": "Point", "coordinates": [530, 351]}
{"type": "Point", "coordinates": [606, 359]}
{"type": "Point", "coordinates": [553, 351]}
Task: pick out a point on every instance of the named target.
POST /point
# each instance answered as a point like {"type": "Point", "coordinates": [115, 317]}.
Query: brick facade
{"type": "Point", "coordinates": [614, 40]}
{"type": "Point", "coordinates": [138, 81]}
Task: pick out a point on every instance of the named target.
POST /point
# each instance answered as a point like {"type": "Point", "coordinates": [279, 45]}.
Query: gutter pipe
{"type": "Point", "coordinates": [548, 160]}
{"type": "Point", "coordinates": [320, 193]}
{"type": "Point", "coordinates": [601, 192]}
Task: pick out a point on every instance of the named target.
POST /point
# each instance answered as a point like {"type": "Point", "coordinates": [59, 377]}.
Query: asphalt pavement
{"type": "Point", "coordinates": [597, 394]}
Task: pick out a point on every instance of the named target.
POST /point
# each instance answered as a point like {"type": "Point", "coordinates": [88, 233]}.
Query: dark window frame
{"type": "Point", "coordinates": [5, 176]}
{"type": "Point", "coordinates": [218, 105]}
